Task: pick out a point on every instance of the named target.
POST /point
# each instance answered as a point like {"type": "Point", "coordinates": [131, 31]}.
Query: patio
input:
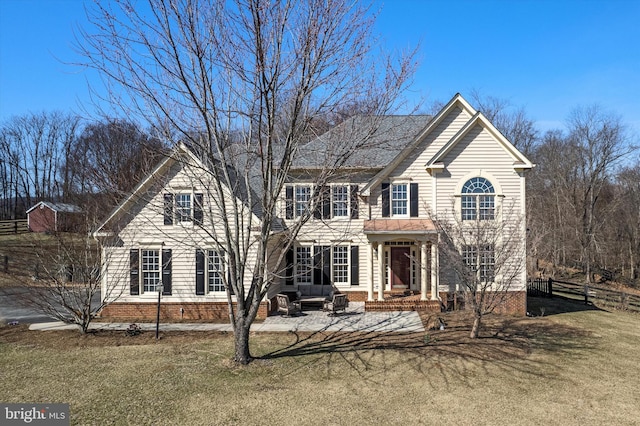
{"type": "Point", "coordinates": [354, 319]}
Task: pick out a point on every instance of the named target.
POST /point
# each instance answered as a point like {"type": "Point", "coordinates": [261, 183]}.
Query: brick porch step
{"type": "Point", "coordinates": [402, 304]}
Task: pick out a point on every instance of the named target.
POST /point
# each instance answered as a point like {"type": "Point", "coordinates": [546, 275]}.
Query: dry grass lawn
{"type": "Point", "coordinates": [572, 366]}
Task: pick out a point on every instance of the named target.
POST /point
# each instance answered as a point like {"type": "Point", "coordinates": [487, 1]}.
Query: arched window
{"type": "Point", "coordinates": [478, 199]}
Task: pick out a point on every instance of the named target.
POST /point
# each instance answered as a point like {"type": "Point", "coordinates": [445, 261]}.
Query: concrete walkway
{"type": "Point", "coordinates": [354, 319]}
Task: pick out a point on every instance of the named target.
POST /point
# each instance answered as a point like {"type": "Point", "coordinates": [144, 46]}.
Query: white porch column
{"type": "Point", "coordinates": [381, 272]}
{"type": "Point", "coordinates": [434, 271]}
{"type": "Point", "coordinates": [370, 272]}
{"type": "Point", "coordinates": [423, 270]}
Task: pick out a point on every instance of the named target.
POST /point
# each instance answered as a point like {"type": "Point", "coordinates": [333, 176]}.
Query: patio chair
{"type": "Point", "coordinates": [338, 303]}
{"type": "Point", "coordinates": [287, 307]}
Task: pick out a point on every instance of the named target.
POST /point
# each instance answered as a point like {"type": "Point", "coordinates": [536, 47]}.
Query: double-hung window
{"type": "Point", "coordinates": [303, 200]}
{"type": "Point", "coordinates": [340, 264]}
{"type": "Point", "coordinates": [478, 199]}
{"type": "Point", "coordinates": [150, 270]}
{"type": "Point", "coordinates": [340, 200]}
{"type": "Point", "coordinates": [183, 207]}
{"type": "Point", "coordinates": [215, 271]}
{"type": "Point", "coordinates": [399, 199]}
{"type": "Point", "coordinates": [304, 265]}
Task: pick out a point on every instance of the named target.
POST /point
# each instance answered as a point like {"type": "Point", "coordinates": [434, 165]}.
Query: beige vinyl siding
{"type": "Point", "coordinates": [145, 228]}
{"type": "Point", "coordinates": [479, 154]}
{"type": "Point", "coordinates": [412, 168]}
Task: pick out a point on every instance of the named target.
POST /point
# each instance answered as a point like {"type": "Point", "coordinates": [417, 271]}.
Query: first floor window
{"type": "Point", "coordinates": [304, 265]}
{"type": "Point", "coordinates": [341, 264]}
{"type": "Point", "coordinates": [481, 261]}
{"type": "Point", "coordinates": [214, 271]}
{"type": "Point", "coordinates": [150, 270]}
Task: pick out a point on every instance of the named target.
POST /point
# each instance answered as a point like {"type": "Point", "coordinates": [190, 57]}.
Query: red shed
{"type": "Point", "coordinates": [47, 217]}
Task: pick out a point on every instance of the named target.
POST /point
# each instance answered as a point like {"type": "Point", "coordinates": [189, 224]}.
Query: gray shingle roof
{"type": "Point", "coordinates": [362, 142]}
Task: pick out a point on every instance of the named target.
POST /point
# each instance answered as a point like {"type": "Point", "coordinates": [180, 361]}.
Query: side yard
{"type": "Point", "coordinates": [571, 366]}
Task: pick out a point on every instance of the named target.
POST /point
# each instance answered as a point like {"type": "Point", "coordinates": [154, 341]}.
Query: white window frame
{"type": "Point", "coordinates": [476, 205]}
{"type": "Point", "coordinates": [399, 206]}
{"type": "Point", "coordinates": [302, 200]}
{"type": "Point", "coordinates": [486, 259]}
{"type": "Point", "coordinates": [340, 264]}
{"type": "Point", "coordinates": [340, 201]}
{"type": "Point", "coordinates": [215, 272]}
{"type": "Point", "coordinates": [304, 265]}
{"type": "Point", "coordinates": [151, 271]}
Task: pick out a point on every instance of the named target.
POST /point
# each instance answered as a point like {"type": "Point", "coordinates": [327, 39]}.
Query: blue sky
{"type": "Point", "coordinates": [546, 56]}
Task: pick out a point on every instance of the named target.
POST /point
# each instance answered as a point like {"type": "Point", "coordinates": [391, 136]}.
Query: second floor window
{"type": "Point", "coordinates": [183, 207]}
{"type": "Point", "coordinates": [399, 198]}
{"type": "Point", "coordinates": [303, 200]}
{"type": "Point", "coordinates": [340, 198]}
{"type": "Point", "coordinates": [478, 200]}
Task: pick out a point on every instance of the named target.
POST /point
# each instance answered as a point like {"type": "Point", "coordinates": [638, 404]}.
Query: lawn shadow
{"type": "Point", "coordinates": [545, 306]}
{"type": "Point", "coordinates": [450, 354]}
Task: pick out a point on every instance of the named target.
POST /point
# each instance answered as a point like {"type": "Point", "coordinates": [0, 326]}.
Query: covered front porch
{"type": "Point", "coordinates": [402, 264]}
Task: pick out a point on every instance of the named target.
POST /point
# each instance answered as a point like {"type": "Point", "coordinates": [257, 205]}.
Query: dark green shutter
{"type": "Point", "coordinates": [200, 264]}
{"type": "Point", "coordinates": [134, 272]}
{"type": "Point", "coordinates": [166, 272]}
{"type": "Point", "coordinates": [413, 198]}
{"type": "Point", "coordinates": [326, 265]}
{"type": "Point", "coordinates": [289, 202]}
{"type": "Point", "coordinates": [354, 201]}
{"type": "Point", "coordinates": [386, 207]}
{"type": "Point", "coordinates": [326, 202]}
{"type": "Point", "coordinates": [355, 266]}
{"type": "Point", "coordinates": [197, 209]}
{"type": "Point", "coordinates": [168, 209]}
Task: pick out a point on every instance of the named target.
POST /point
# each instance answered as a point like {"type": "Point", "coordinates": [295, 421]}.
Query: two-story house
{"type": "Point", "coordinates": [370, 231]}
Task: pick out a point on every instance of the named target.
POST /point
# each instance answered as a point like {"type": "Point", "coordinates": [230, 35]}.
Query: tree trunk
{"type": "Point", "coordinates": [475, 330]}
{"type": "Point", "coordinates": [241, 335]}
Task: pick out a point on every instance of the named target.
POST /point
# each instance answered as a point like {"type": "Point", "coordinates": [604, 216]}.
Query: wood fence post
{"type": "Point", "coordinates": [6, 264]}
{"type": "Point", "coordinates": [586, 294]}
{"type": "Point", "coordinates": [550, 287]}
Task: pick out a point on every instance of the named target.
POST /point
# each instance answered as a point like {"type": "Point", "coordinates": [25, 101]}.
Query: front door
{"type": "Point", "coordinates": [400, 267]}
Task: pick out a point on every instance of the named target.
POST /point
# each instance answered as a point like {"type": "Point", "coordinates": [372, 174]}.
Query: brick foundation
{"type": "Point", "coordinates": [515, 303]}
{"type": "Point", "coordinates": [402, 304]}
{"type": "Point", "coordinates": [207, 311]}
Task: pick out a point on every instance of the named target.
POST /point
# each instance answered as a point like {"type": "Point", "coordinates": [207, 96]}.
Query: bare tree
{"type": "Point", "coordinates": [484, 257]}
{"type": "Point", "coordinates": [64, 278]}
{"type": "Point", "coordinates": [241, 83]}
{"type": "Point", "coordinates": [599, 142]}
{"type": "Point", "coordinates": [32, 148]}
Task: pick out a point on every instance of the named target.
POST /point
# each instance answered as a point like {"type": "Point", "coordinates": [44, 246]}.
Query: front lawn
{"type": "Point", "coordinates": [571, 366]}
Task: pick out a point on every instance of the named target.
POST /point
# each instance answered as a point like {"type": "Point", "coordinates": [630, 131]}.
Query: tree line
{"type": "Point", "coordinates": [58, 157]}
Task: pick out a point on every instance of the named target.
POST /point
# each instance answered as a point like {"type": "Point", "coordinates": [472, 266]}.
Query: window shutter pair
{"type": "Point", "coordinates": [413, 200]}
{"type": "Point", "coordinates": [134, 272]}
{"type": "Point", "coordinates": [169, 209]}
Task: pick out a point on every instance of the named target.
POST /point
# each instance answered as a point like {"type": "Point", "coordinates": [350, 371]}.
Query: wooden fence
{"type": "Point", "coordinates": [19, 226]}
{"type": "Point", "coordinates": [598, 295]}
